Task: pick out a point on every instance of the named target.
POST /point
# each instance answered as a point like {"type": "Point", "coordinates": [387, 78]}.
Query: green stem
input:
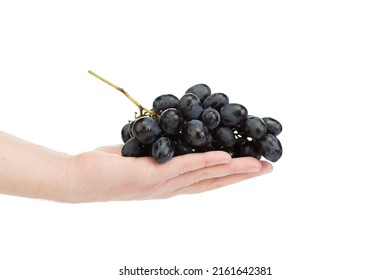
{"type": "Point", "coordinates": [142, 108]}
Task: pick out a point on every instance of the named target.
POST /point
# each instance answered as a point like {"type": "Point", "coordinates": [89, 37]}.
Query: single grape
{"type": "Point", "coordinates": [248, 149]}
{"type": "Point", "coordinates": [165, 101]}
{"type": "Point", "coordinates": [207, 146]}
{"type": "Point", "coordinates": [125, 133]}
{"type": "Point", "coordinates": [270, 147]}
{"type": "Point", "coordinates": [163, 149]}
{"type": "Point", "coordinates": [224, 137]}
{"type": "Point", "coordinates": [196, 133]}
{"type": "Point", "coordinates": [232, 114]}
{"type": "Point", "coordinates": [210, 117]}
{"type": "Point", "coordinates": [133, 148]}
{"type": "Point", "coordinates": [171, 121]}
{"type": "Point", "coordinates": [200, 90]}
{"type": "Point", "coordinates": [274, 127]}
{"type": "Point", "coordinates": [181, 146]}
{"type": "Point", "coordinates": [190, 106]}
{"type": "Point", "coordinates": [254, 127]}
{"type": "Point", "coordinates": [216, 101]}
{"type": "Point", "coordinates": [146, 130]}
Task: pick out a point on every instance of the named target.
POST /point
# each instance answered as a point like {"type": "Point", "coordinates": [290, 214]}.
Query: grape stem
{"type": "Point", "coordinates": [141, 108]}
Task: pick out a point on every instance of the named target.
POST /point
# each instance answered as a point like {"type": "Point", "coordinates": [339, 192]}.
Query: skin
{"type": "Point", "coordinates": [30, 170]}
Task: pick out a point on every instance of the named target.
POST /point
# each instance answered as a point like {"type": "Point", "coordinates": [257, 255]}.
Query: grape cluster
{"type": "Point", "coordinates": [200, 121]}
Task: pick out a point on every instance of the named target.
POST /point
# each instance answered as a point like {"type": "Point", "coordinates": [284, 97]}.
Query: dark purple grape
{"type": "Point", "coordinates": [190, 106]}
{"type": "Point", "coordinates": [232, 114]}
{"type": "Point", "coordinates": [146, 130]}
{"type": "Point", "coordinates": [196, 133]}
{"type": "Point", "coordinates": [207, 146]}
{"type": "Point", "coordinates": [254, 127]}
{"type": "Point", "coordinates": [181, 147]}
{"type": "Point", "coordinates": [133, 148]}
{"type": "Point", "coordinates": [125, 133]}
{"type": "Point", "coordinates": [270, 147]}
{"type": "Point", "coordinates": [216, 101]}
{"type": "Point", "coordinates": [165, 101]}
{"type": "Point", "coordinates": [248, 149]}
{"type": "Point", "coordinates": [163, 149]}
{"type": "Point", "coordinates": [200, 90]}
{"type": "Point", "coordinates": [273, 126]}
{"type": "Point", "coordinates": [210, 117]}
{"type": "Point", "coordinates": [224, 137]}
{"type": "Point", "coordinates": [171, 121]}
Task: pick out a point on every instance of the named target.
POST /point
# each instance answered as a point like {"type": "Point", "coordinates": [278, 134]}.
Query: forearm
{"type": "Point", "coordinates": [31, 170]}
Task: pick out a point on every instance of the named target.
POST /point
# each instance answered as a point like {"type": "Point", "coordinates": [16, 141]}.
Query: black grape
{"type": "Point", "coordinates": [225, 137]}
{"type": "Point", "coordinates": [232, 114]}
{"type": "Point", "coordinates": [270, 147]}
{"type": "Point", "coordinates": [255, 127]}
{"type": "Point", "coordinates": [165, 101]}
{"type": "Point", "coordinates": [196, 133]}
{"type": "Point", "coordinates": [216, 101]}
{"type": "Point", "coordinates": [248, 149]}
{"type": "Point", "coordinates": [125, 133]}
{"type": "Point", "coordinates": [202, 91]}
{"type": "Point", "coordinates": [274, 127]}
{"type": "Point", "coordinates": [181, 147]}
{"type": "Point", "coordinates": [190, 106]}
{"type": "Point", "coordinates": [211, 118]}
{"type": "Point", "coordinates": [163, 149]}
{"type": "Point", "coordinates": [146, 130]}
{"type": "Point", "coordinates": [133, 148]}
{"type": "Point", "coordinates": [171, 121]}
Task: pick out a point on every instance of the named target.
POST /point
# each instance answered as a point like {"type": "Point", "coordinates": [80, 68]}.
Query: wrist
{"type": "Point", "coordinates": [58, 183]}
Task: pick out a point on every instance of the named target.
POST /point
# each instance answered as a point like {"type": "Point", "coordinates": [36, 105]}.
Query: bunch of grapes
{"type": "Point", "coordinates": [198, 121]}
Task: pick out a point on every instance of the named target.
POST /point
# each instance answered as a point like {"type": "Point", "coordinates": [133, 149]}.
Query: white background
{"type": "Point", "coordinates": [320, 67]}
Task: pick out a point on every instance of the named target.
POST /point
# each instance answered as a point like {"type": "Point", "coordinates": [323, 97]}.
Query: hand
{"type": "Point", "coordinates": [103, 174]}
{"type": "Point", "coordinates": [30, 170]}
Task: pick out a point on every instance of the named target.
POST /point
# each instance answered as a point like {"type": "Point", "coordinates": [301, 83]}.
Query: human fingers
{"type": "Point", "coordinates": [187, 163]}
{"type": "Point", "coordinates": [180, 164]}
{"type": "Point", "coordinates": [218, 182]}
{"type": "Point", "coordinates": [235, 166]}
